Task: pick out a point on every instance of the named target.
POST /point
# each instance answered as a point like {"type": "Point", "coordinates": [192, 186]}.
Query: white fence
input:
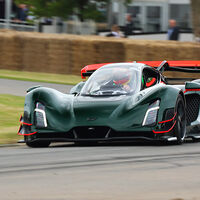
{"type": "Point", "coordinates": [71, 27]}
{"type": "Point", "coordinates": [17, 25]}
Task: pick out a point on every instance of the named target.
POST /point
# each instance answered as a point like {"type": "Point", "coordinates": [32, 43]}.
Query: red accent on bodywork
{"type": "Point", "coordinates": [166, 130]}
{"type": "Point", "coordinates": [169, 120]}
{"type": "Point", "coordinates": [92, 67]}
{"type": "Point", "coordinates": [20, 120]}
{"type": "Point", "coordinates": [189, 90]}
{"type": "Point", "coordinates": [27, 133]}
{"type": "Point", "coordinates": [26, 124]}
{"type": "Point", "coordinates": [176, 63]}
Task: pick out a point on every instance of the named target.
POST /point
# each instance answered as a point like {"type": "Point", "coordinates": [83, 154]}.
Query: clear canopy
{"type": "Point", "coordinates": [112, 80]}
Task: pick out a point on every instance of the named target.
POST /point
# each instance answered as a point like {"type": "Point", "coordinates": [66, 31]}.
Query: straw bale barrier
{"type": "Point", "coordinates": [67, 54]}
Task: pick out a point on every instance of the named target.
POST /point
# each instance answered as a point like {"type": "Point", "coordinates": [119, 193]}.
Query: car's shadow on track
{"type": "Point", "coordinates": [121, 144]}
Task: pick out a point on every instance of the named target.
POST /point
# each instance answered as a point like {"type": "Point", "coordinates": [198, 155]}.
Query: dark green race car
{"type": "Point", "coordinates": [122, 101]}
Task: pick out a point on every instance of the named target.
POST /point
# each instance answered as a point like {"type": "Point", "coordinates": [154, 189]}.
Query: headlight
{"type": "Point", "coordinates": [151, 114]}
{"type": "Point", "coordinates": [40, 115]}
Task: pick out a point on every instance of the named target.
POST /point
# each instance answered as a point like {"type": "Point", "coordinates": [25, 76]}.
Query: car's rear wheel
{"type": "Point", "coordinates": [36, 144]}
{"type": "Point", "coordinates": [180, 126]}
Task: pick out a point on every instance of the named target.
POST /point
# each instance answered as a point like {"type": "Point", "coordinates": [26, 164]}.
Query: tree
{"type": "Point", "coordinates": [87, 9]}
{"type": "Point", "coordinates": [195, 7]}
{"type": "Point", "coordinates": [84, 9]}
{"type": "Point", "coordinates": [49, 8]}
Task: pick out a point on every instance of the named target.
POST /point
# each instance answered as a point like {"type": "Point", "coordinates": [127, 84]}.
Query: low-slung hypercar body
{"type": "Point", "coordinates": [120, 101]}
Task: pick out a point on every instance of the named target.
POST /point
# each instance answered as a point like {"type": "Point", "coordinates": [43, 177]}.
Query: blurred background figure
{"type": "Point", "coordinates": [129, 27]}
{"type": "Point", "coordinates": [173, 31]}
{"type": "Point", "coordinates": [22, 12]}
{"type": "Point", "coordinates": [115, 32]}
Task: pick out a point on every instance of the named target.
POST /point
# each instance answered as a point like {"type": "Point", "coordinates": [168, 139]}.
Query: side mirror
{"type": "Point", "coordinates": [163, 66]}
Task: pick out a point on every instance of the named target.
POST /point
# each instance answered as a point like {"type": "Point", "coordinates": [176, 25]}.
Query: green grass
{"type": "Point", "coordinates": [40, 77]}
{"type": "Point", "coordinates": [11, 107]}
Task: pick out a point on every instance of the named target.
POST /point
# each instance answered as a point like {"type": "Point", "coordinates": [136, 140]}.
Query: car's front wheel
{"type": "Point", "coordinates": [36, 144]}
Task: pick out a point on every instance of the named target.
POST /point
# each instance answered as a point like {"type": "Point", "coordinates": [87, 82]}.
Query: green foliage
{"type": "Point", "coordinates": [49, 8]}
{"type": "Point", "coordinates": [85, 9]}
{"type": "Point", "coordinates": [61, 8]}
{"type": "Point", "coordinates": [127, 1]}
{"type": "Point", "coordinates": [92, 13]}
{"type": "Point", "coordinates": [89, 10]}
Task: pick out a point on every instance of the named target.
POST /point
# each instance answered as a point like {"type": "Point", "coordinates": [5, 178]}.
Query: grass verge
{"type": "Point", "coordinates": [40, 77]}
{"type": "Point", "coordinates": [11, 108]}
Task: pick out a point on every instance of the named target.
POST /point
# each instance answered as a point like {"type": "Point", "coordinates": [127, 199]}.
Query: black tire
{"type": "Point", "coordinates": [36, 144]}
{"type": "Point", "coordinates": [180, 126]}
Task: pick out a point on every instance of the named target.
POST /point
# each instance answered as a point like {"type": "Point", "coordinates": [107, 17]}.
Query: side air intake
{"type": "Point", "coordinates": [192, 107]}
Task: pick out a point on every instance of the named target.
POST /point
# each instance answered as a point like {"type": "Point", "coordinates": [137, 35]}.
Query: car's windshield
{"type": "Point", "coordinates": [112, 80]}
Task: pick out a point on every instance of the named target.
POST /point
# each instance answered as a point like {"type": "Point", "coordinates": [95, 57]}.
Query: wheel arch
{"type": "Point", "coordinates": [183, 96]}
{"type": "Point", "coordinates": [168, 96]}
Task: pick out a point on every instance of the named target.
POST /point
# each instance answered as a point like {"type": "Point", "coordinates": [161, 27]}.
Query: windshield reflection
{"type": "Point", "coordinates": [112, 81]}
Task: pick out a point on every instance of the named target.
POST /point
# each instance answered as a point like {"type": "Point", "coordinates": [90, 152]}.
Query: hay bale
{"type": "Point", "coordinates": [35, 54]}
{"type": "Point", "coordinates": [59, 55]}
{"type": "Point", "coordinates": [161, 50]}
{"type": "Point", "coordinates": [10, 51]}
{"type": "Point", "coordinates": [68, 54]}
{"type": "Point", "coordinates": [83, 53]}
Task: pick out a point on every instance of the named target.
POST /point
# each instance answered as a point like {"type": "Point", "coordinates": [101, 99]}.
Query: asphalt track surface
{"type": "Point", "coordinates": [118, 171]}
{"type": "Point", "coordinates": [134, 171]}
{"type": "Point", "coordinates": [19, 88]}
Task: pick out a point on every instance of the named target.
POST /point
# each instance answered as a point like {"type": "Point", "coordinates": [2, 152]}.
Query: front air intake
{"type": "Point", "coordinates": [40, 116]}
{"type": "Point", "coordinates": [91, 132]}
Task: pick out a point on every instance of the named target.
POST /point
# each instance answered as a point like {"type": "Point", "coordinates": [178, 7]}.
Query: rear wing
{"type": "Point", "coordinates": [89, 69]}
{"type": "Point", "coordinates": [182, 66]}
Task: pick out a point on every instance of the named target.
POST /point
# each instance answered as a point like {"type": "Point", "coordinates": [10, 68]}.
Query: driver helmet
{"type": "Point", "coordinates": [121, 77]}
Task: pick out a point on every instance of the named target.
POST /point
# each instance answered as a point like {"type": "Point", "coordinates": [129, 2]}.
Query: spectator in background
{"type": "Point", "coordinates": [129, 26]}
{"type": "Point", "coordinates": [115, 32]}
{"type": "Point", "coordinates": [22, 12]}
{"type": "Point", "coordinates": [173, 31]}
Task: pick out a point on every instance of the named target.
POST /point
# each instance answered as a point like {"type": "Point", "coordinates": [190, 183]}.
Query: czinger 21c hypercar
{"type": "Point", "coordinates": [120, 101]}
